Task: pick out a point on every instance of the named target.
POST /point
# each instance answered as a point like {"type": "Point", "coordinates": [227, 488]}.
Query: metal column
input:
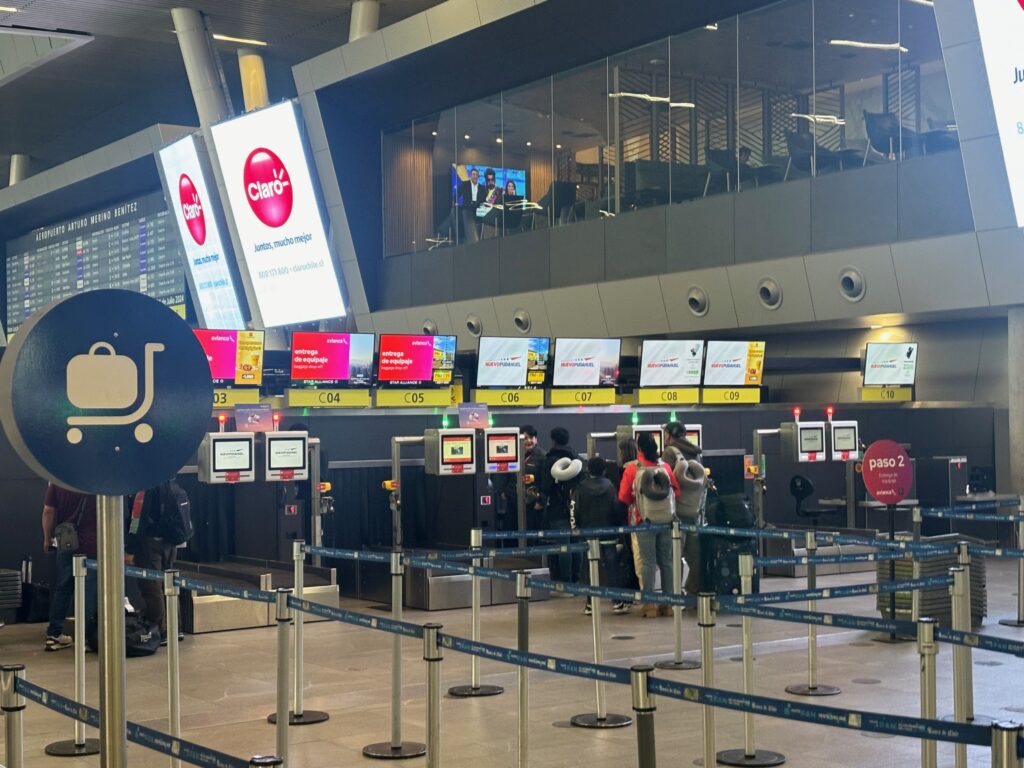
{"type": "Point", "coordinates": [476, 543]}
{"type": "Point", "coordinates": [812, 687]}
{"type": "Point", "coordinates": [927, 649]}
{"type": "Point", "coordinates": [1019, 620]}
{"type": "Point", "coordinates": [110, 558]}
{"type": "Point", "coordinates": [173, 661]}
{"type": "Point", "coordinates": [643, 711]}
{"type": "Point", "coordinates": [12, 704]}
{"type": "Point", "coordinates": [677, 662]}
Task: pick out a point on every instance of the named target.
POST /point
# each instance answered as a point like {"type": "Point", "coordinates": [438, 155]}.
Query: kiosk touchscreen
{"type": "Point", "coordinates": [695, 434]}
{"type": "Point", "coordinates": [449, 451]}
{"type": "Point", "coordinates": [285, 456]}
{"type": "Point", "coordinates": [227, 457]}
{"type": "Point", "coordinates": [501, 446]}
{"type": "Point", "coordinates": [845, 441]}
{"type": "Point", "coordinates": [810, 441]}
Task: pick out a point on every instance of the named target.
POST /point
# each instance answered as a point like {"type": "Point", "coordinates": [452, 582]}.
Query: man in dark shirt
{"type": "Point", "coordinates": [597, 506]}
{"type": "Point", "coordinates": [144, 548]}
{"type": "Point", "coordinates": [63, 506]}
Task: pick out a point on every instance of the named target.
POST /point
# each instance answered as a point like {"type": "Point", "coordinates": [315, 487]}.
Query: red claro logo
{"type": "Point", "coordinates": [268, 187]}
{"type": "Point", "coordinates": [192, 209]}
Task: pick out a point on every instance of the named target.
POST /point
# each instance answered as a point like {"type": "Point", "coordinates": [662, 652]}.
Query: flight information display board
{"type": "Point", "coordinates": [132, 245]}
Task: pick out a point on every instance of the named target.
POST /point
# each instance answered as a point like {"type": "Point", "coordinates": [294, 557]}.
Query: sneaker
{"type": "Point", "coordinates": [163, 639]}
{"type": "Point", "coordinates": [620, 607]}
{"type": "Point", "coordinates": [588, 610]}
{"type": "Point", "coordinates": [58, 642]}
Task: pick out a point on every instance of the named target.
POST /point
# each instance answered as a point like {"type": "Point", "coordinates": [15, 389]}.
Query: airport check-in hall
{"type": "Point", "coordinates": [530, 382]}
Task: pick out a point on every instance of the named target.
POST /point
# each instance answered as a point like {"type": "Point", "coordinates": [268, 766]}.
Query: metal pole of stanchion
{"type": "Point", "coordinates": [80, 746]}
{"type": "Point", "coordinates": [960, 660]}
{"type": "Point", "coordinates": [110, 559]}
{"type": "Point", "coordinates": [928, 649]}
{"type": "Point", "coordinates": [706, 622]}
{"type": "Point", "coordinates": [476, 543]}
{"type": "Point", "coordinates": [1019, 620]}
{"type": "Point", "coordinates": [12, 704]}
{"type": "Point", "coordinates": [523, 594]}
{"type": "Point", "coordinates": [750, 755]}
{"type": "Point", "coordinates": [396, 749]}
{"type": "Point", "coordinates": [601, 718]}
{"type": "Point", "coordinates": [433, 655]}
{"type": "Point", "coordinates": [643, 709]}
{"type": "Point", "coordinates": [284, 624]}
{"type": "Point", "coordinates": [963, 555]}
{"type": "Point", "coordinates": [173, 676]}
{"type": "Point", "coordinates": [264, 761]}
{"type": "Point", "coordinates": [1005, 737]}
{"type": "Point", "coordinates": [677, 662]}
{"type": "Point", "coordinates": [915, 595]}
{"type": "Point", "coordinates": [813, 687]}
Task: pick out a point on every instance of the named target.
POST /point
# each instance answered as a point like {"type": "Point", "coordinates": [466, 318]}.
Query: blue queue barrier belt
{"type": "Point", "coordinates": [996, 551]}
{"type": "Point", "coordinates": [820, 618]}
{"type": "Point", "coordinates": [487, 552]}
{"type": "Point", "coordinates": [870, 722]}
{"type": "Point", "coordinates": [569, 533]}
{"type": "Point", "coordinates": [196, 585]}
{"type": "Point", "coordinates": [991, 517]}
{"type": "Point", "coordinates": [980, 506]}
{"type": "Point", "coordinates": [349, 554]}
{"type": "Point", "coordinates": [615, 594]}
{"type": "Point", "coordinates": [861, 557]}
{"type": "Point", "coordinates": [835, 593]}
{"type": "Point", "coordinates": [459, 568]}
{"type": "Point", "coordinates": [382, 623]}
{"type": "Point", "coordinates": [186, 751]}
{"type": "Point", "coordinates": [981, 642]}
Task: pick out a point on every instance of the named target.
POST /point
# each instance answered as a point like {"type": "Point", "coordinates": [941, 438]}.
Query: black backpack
{"type": "Point", "coordinates": [730, 510]}
{"type": "Point", "coordinates": [175, 523]}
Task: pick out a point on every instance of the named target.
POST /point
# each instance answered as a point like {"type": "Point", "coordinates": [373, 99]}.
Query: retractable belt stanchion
{"type": "Point", "coordinates": [812, 687]}
{"type": "Point", "coordinates": [915, 594]}
{"type": "Point", "coordinates": [677, 662]}
{"type": "Point", "coordinates": [927, 649]}
{"type": "Point", "coordinates": [110, 559]}
{"type": "Point", "coordinates": [706, 622]}
{"type": "Point", "coordinates": [284, 624]}
{"type": "Point", "coordinates": [433, 655]}
{"type": "Point", "coordinates": [963, 681]}
{"type": "Point", "coordinates": [396, 749]}
{"type": "Point", "coordinates": [960, 660]}
{"type": "Point", "coordinates": [264, 761]}
{"type": "Point", "coordinates": [601, 718]}
{"type": "Point", "coordinates": [1019, 620]}
{"type": "Point", "coordinates": [80, 746]}
{"type": "Point", "coordinates": [750, 755]}
{"type": "Point", "coordinates": [299, 714]}
{"type": "Point", "coordinates": [476, 543]}
{"type": "Point", "coordinates": [643, 709]}
{"type": "Point", "coordinates": [12, 704]}
{"type": "Point", "coordinates": [1005, 737]}
{"type": "Point", "coordinates": [523, 594]}
{"type": "Point", "coordinates": [173, 667]}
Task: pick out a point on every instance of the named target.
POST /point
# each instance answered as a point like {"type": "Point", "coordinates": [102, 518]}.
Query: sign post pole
{"type": "Point", "coordinates": [110, 556]}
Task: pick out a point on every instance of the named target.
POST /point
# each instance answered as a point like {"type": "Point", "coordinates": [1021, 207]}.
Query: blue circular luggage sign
{"type": "Point", "coordinates": [107, 392]}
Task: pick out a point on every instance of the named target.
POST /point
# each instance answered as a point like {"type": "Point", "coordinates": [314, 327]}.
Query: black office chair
{"type": "Point", "coordinates": [886, 138]}
{"type": "Point", "coordinates": [801, 488]}
{"type": "Point", "coordinates": [810, 157]}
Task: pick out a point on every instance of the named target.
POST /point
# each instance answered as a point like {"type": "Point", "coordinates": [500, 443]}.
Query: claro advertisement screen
{"type": "Point", "coordinates": [235, 357]}
{"type": "Point", "coordinates": [342, 358]}
{"type": "Point", "coordinates": [188, 195]}
{"type": "Point", "coordinates": [890, 365]}
{"type": "Point", "coordinates": [734, 364]}
{"type": "Point", "coordinates": [512, 362]}
{"type": "Point", "coordinates": [1001, 28]}
{"type": "Point", "coordinates": [415, 360]}
{"type": "Point", "coordinates": [586, 362]}
{"type": "Point", "coordinates": [671, 363]}
{"type": "Point", "coordinates": [277, 215]}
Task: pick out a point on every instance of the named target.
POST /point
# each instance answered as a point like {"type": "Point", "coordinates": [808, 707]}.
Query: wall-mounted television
{"type": "Point", "coordinates": [671, 363]}
{"type": "Point", "coordinates": [235, 357]}
{"type": "Point", "coordinates": [502, 176]}
{"type": "Point", "coordinates": [734, 364]}
{"type": "Point", "coordinates": [512, 361]}
{"type": "Point", "coordinates": [341, 359]}
{"type": "Point", "coordinates": [416, 360]}
{"type": "Point", "coordinates": [586, 362]}
{"type": "Point", "coordinates": [890, 365]}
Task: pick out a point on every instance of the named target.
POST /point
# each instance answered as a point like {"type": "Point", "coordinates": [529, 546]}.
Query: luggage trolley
{"type": "Point", "coordinates": [110, 381]}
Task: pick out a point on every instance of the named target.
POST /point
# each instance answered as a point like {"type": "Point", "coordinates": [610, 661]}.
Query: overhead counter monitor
{"type": "Point", "coordinates": [227, 457]}
{"type": "Point", "coordinates": [586, 371]}
{"type": "Point", "coordinates": [512, 371]}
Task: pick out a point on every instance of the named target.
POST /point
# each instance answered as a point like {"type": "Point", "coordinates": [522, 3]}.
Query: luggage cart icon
{"type": "Point", "coordinates": [110, 382]}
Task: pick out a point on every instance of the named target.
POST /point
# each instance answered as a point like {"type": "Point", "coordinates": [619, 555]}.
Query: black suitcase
{"type": "Point", "coordinates": [141, 638]}
{"type": "Point", "coordinates": [720, 563]}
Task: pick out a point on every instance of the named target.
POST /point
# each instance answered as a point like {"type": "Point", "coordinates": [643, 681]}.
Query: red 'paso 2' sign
{"type": "Point", "coordinates": [888, 474]}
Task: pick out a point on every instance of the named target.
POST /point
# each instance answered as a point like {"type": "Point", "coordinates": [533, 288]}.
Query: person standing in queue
{"type": "Point", "coordinates": [533, 467]}
{"type": "Point", "coordinates": [558, 492]}
{"type": "Point", "coordinates": [65, 511]}
{"type": "Point", "coordinates": [650, 490]}
{"type": "Point", "coordinates": [683, 456]}
{"type": "Point", "coordinates": [629, 574]}
{"type": "Point", "coordinates": [597, 506]}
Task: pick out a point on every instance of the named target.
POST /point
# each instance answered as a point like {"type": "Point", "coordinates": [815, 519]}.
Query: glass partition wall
{"type": "Point", "coordinates": [795, 90]}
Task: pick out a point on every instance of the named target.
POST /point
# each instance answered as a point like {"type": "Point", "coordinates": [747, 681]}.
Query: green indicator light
{"type": "Point", "coordinates": [635, 418]}
{"type": "Point", "coordinates": [444, 421]}
{"type": "Point", "coordinates": [672, 416]}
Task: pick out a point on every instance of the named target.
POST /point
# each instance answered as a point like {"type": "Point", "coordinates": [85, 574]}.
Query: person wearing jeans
{"type": "Point", "coordinates": [63, 506]}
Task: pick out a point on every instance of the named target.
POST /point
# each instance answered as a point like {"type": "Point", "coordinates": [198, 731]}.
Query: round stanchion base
{"type": "Point", "coordinates": [803, 689]}
{"type": "Point", "coordinates": [1011, 622]}
{"type": "Point", "coordinates": [308, 717]}
{"type": "Point", "coordinates": [384, 750]}
{"type": "Point", "coordinates": [983, 720]}
{"type": "Point", "coordinates": [70, 749]}
{"type": "Point", "coordinates": [762, 758]}
{"type": "Point", "coordinates": [591, 720]}
{"type": "Point", "coordinates": [468, 691]}
{"type": "Point", "coordinates": [684, 664]}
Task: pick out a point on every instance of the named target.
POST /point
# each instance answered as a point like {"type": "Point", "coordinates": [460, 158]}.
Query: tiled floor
{"type": "Point", "coordinates": [228, 689]}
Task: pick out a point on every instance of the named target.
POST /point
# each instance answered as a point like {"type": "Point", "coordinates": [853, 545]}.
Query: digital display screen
{"type": "Point", "coordinates": [235, 357]}
{"type": "Point", "coordinates": [461, 173]}
{"type": "Point", "coordinates": [694, 437]}
{"type": "Point", "coordinates": [286, 453]}
{"type": "Point", "coordinates": [1001, 28]}
{"type": "Point", "coordinates": [512, 362]}
{"type": "Point", "coordinates": [844, 439]}
{"type": "Point", "coordinates": [332, 358]}
{"type": "Point", "coordinates": [502, 448]}
{"type": "Point", "coordinates": [276, 209]}
{"type": "Point", "coordinates": [132, 245]}
{"type": "Point", "coordinates": [671, 363]}
{"type": "Point", "coordinates": [231, 455]}
{"type": "Point", "coordinates": [655, 433]}
{"type": "Point", "coordinates": [734, 364]}
{"type": "Point", "coordinates": [456, 449]}
{"type": "Point", "coordinates": [890, 365]}
{"type": "Point", "coordinates": [812, 439]}
{"type": "Point", "coordinates": [188, 195]}
{"type": "Point", "coordinates": [414, 360]}
{"type": "Point", "coordinates": [586, 362]}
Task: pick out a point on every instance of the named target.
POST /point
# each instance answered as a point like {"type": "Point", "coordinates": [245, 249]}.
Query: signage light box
{"type": "Point", "coordinates": [890, 365]}
{"type": "Point", "coordinates": [586, 362]}
{"type": "Point", "coordinates": [512, 361]}
{"type": "Point", "coordinates": [671, 363]}
{"type": "Point", "coordinates": [734, 364]}
{"type": "Point", "coordinates": [235, 357]}
{"type": "Point", "coordinates": [276, 210]}
{"type": "Point", "coordinates": [332, 358]}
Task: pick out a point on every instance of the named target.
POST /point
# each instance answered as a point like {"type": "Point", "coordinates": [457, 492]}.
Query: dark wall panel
{"type": "Point", "coordinates": [525, 262]}
{"type": "Point", "coordinates": [577, 253]}
{"type": "Point", "coordinates": [395, 282]}
{"type": "Point", "coordinates": [432, 277]}
{"type": "Point", "coordinates": [635, 244]}
{"type": "Point", "coordinates": [933, 197]}
{"type": "Point", "coordinates": [773, 221]}
{"type": "Point", "coordinates": [701, 233]}
{"type": "Point", "coordinates": [854, 208]}
{"type": "Point", "coordinates": [476, 270]}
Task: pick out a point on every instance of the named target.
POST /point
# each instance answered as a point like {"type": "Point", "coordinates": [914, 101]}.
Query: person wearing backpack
{"type": "Point", "coordinates": [557, 485]}
{"type": "Point", "coordinates": [159, 520]}
{"type": "Point", "coordinates": [650, 490]}
{"type": "Point", "coordinates": [597, 506]}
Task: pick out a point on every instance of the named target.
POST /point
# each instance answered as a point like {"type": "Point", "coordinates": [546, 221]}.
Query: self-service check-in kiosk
{"type": "Point", "coordinates": [502, 450]}
{"type": "Point", "coordinates": [285, 456]}
{"type": "Point", "coordinates": [624, 432]}
{"type": "Point", "coordinates": [845, 441]}
{"type": "Point", "coordinates": [803, 441]}
{"type": "Point", "coordinates": [448, 452]}
{"type": "Point", "coordinates": [227, 457]}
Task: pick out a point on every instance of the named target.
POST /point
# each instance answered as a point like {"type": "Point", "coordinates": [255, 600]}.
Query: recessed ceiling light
{"type": "Point", "coordinates": [711, 27]}
{"type": "Point", "coordinates": [498, 140]}
{"type": "Point", "coordinates": [433, 133]}
{"type": "Point", "coordinates": [241, 40]}
{"type": "Point", "coordinates": [529, 143]}
{"type": "Point", "coordinates": [871, 46]}
{"type": "Point", "coordinates": [928, 3]}
{"type": "Point", "coordinates": [877, 327]}
{"type": "Point", "coordinates": [466, 137]}
{"type": "Point", "coordinates": [558, 146]}
{"type": "Point", "coordinates": [8, 9]}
